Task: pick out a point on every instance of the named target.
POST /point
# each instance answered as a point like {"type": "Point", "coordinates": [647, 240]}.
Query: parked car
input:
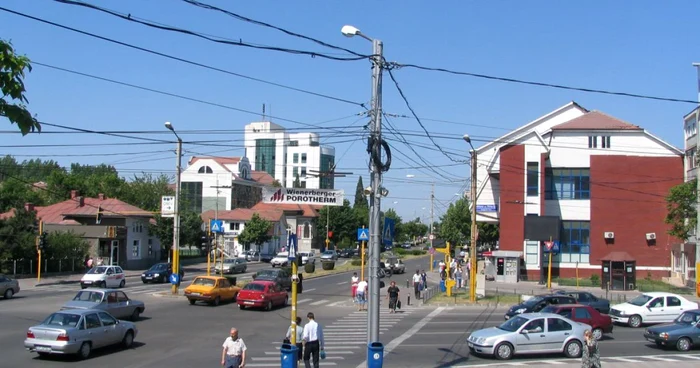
{"type": "Point", "coordinates": [115, 302]}
{"type": "Point", "coordinates": [160, 272]}
{"type": "Point", "coordinates": [104, 277]}
{"type": "Point", "coordinates": [280, 276]}
{"type": "Point", "coordinates": [252, 255]}
{"type": "Point", "coordinates": [602, 305]}
{"type": "Point", "coordinates": [650, 308]}
{"type": "Point", "coordinates": [530, 333]}
{"type": "Point", "coordinates": [78, 331]}
{"type": "Point", "coordinates": [395, 265]}
{"type": "Point", "coordinates": [683, 333]}
{"type": "Point", "coordinates": [8, 286]}
{"type": "Point", "coordinates": [307, 257]}
{"type": "Point", "coordinates": [537, 303]}
{"type": "Point", "coordinates": [329, 255]}
{"type": "Point", "coordinates": [267, 258]}
{"type": "Point", "coordinates": [231, 265]}
{"type": "Point", "coordinates": [211, 289]}
{"type": "Point", "coordinates": [406, 246]}
{"type": "Point", "coordinates": [280, 260]}
{"type": "Point", "coordinates": [262, 294]}
{"type": "Point", "coordinates": [348, 253]}
{"type": "Point", "coordinates": [600, 323]}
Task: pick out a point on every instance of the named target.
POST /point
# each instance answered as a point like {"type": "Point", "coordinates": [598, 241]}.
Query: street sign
{"type": "Point", "coordinates": [167, 206]}
{"type": "Point", "coordinates": [292, 247]}
{"type": "Point", "coordinates": [487, 208]}
{"type": "Point", "coordinates": [432, 236]}
{"type": "Point", "coordinates": [388, 233]}
{"type": "Point", "coordinates": [174, 278]}
{"type": "Point", "coordinates": [549, 245]}
{"type": "Point", "coordinates": [216, 226]}
{"type": "Point", "coordinates": [431, 251]}
{"type": "Point", "coordinates": [322, 197]}
{"type": "Point", "coordinates": [552, 247]}
{"type": "Point", "coordinates": [362, 234]}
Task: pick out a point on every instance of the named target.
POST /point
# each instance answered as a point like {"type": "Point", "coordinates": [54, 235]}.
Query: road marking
{"type": "Point", "coordinates": [412, 331]}
{"type": "Point", "coordinates": [626, 360]}
{"type": "Point", "coordinates": [552, 362]}
{"type": "Point", "coordinates": [271, 359]}
{"type": "Point", "coordinates": [336, 304]}
{"type": "Point", "coordinates": [691, 357]}
{"type": "Point", "coordinates": [322, 364]}
{"type": "Point", "coordinates": [319, 302]}
{"type": "Point", "coordinates": [340, 283]}
{"type": "Point", "coordinates": [303, 301]}
{"type": "Point", "coordinates": [661, 359]}
{"type": "Point", "coordinates": [307, 290]}
{"type": "Point", "coordinates": [327, 347]}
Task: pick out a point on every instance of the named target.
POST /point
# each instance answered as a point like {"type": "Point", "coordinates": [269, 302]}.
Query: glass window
{"type": "Point", "coordinates": [327, 162]}
{"type": "Point", "coordinates": [136, 249]}
{"type": "Point", "coordinates": [295, 171]}
{"type": "Point", "coordinates": [293, 144]}
{"type": "Point", "coordinates": [567, 184]}
{"type": "Point", "coordinates": [672, 301]}
{"type": "Point", "coordinates": [536, 325]}
{"type": "Point", "coordinates": [533, 179]}
{"type": "Point", "coordinates": [531, 251]}
{"type": "Point", "coordinates": [582, 313]}
{"type": "Point", "coordinates": [121, 297]}
{"type": "Point", "coordinates": [303, 171]}
{"type": "Point", "coordinates": [583, 297]}
{"type": "Point", "coordinates": [307, 231]}
{"type": "Point", "coordinates": [575, 241]}
{"type": "Point", "coordinates": [605, 141]}
{"type": "Point", "coordinates": [592, 141]}
{"type": "Point", "coordinates": [92, 321]}
{"type": "Point", "coordinates": [303, 158]}
{"type": "Point", "coordinates": [106, 319]}
{"type": "Point", "coordinates": [557, 324]}
{"type": "Point", "coordinates": [192, 195]}
{"type": "Point", "coordinates": [205, 170]}
{"type": "Point", "coordinates": [265, 155]}
{"type": "Point", "coordinates": [566, 312]}
{"type": "Point", "coordinates": [295, 158]}
{"type": "Point", "coordinates": [657, 303]}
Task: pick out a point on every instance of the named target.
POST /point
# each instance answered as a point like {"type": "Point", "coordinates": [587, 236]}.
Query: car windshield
{"type": "Point", "coordinates": [271, 273]}
{"type": "Point", "coordinates": [549, 309]}
{"type": "Point", "coordinates": [204, 282]}
{"type": "Point", "coordinates": [158, 267]}
{"type": "Point", "coordinates": [254, 287]}
{"type": "Point", "coordinates": [98, 270]}
{"type": "Point", "coordinates": [229, 260]}
{"type": "Point", "coordinates": [62, 320]}
{"type": "Point", "coordinates": [533, 301]}
{"type": "Point", "coordinates": [328, 252]}
{"type": "Point", "coordinates": [640, 300]}
{"type": "Point", "coordinates": [513, 324]}
{"type": "Point", "coordinates": [88, 296]}
{"type": "Point", "coordinates": [688, 318]}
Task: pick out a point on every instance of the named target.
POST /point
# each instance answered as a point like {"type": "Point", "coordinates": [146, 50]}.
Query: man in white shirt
{"type": "Point", "coordinates": [361, 295]}
{"type": "Point", "coordinates": [233, 355]}
{"type": "Point", "coordinates": [417, 280]}
{"type": "Point", "coordinates": [313, 341]}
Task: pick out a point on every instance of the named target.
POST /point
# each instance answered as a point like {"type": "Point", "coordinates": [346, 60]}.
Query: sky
{"type": "Point", "coordinates": [644, 47]}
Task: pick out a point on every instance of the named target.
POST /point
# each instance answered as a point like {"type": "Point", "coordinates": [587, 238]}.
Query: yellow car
{"type": "Point", "coordinates": [211, 289]}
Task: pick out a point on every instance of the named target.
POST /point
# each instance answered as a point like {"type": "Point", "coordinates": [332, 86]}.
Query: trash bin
{"type": "Point", "coordinates": [375, 355]}
{"type": "Point", "coordinates": [443, 288]}
{"type": "Point", "coordinates": [289, 355]}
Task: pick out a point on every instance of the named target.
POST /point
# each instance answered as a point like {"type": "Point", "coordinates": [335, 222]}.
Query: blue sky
{"type": "Point", "coordinates": [643, 47]}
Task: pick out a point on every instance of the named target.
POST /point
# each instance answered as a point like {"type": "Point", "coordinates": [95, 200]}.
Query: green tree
{"type": "Point", "coordinates": [190, 231]}
{"type": "Point", "coordinates": [456, 223]}
{"type": "Point", "coordinates": [145, 191]}
{"type": "Point", "coordinates": [682, 213]}
{"type": "Point", "coordinates": [360, 198]}
{"type": "Point", "coordinates": [15, 193]}
{"type": "Point", "coordinates": [488, 233]}
{"type": "Point", "coordinates": [276, 183]}
{"type": "Point", "coordinates": [341, 221]}
{"type": "Point", "coordinates": [18, 234]}
{"type": "Point", "coordinates": [256, 231]}
{"type": "Point", "coordinates": [413, 229]}
{"type": "Point", "coordinates": [13, 101]}
{"type": "Point", "coordinates": [66, 245]}
{"type": "Point", "coordinates": [297, 182]}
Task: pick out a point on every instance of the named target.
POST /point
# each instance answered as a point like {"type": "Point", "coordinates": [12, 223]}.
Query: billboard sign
{"type": "Point", "coordinates": [321, 197]}
{"type": "Point", "coordinates": [167, 206]}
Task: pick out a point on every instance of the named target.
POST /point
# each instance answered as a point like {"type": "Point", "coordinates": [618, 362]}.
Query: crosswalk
{"type": "Point", "coordinates": [345, 339]}
{"type": "Point", "coordinates": [660, 359]}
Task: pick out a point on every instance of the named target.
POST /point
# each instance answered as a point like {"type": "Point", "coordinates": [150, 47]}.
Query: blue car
{"type": "Point", "coordinates": [683, 333]}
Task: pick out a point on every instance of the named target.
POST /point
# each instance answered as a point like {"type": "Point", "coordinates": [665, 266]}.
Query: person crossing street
{"type": "Point", "coordinates": [313, 341]}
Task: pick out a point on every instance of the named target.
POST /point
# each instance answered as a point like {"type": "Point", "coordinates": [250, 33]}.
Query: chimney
{"type": "Point", "coordinates": [29, 207]}
{"type": "Point", "coordinates": [81, 201]}
{"type": "Point", "coordinates": [101, 196]}
{"type": "Point", "coordinates": [73, 194]}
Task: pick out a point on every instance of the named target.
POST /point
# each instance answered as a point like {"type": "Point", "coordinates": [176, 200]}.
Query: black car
{"type": "Point", "coordinates": [583, 297]}
{"type": "Point", "coordinates": [537, 303]}
{"type": "Point", "coordinates": [280, 275]}
{"type": "Point", "coordinates": [348, 253]}
{"type": "Point", "coordinates": [159, 272]}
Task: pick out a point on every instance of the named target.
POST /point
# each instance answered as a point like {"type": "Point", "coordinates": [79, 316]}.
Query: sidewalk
{"type": "Point", "coordinates": [606, 363]}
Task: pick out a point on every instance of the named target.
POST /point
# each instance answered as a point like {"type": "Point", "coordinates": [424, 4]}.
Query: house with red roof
{"type": "Point", "coordinates": [131, 247]}
{"type": "Point", "coordinates": [234, 222]}
{"type": "Point", "coordinates": [588, 185]}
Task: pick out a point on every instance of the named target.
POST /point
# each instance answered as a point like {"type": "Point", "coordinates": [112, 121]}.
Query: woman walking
{"type": "Point", "coordinates": [591, 356]}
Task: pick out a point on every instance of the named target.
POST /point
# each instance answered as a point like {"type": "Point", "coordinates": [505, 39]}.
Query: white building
{"type": "Point", "coordinates": [687, 255]}
{"type": "Point", "coordinates": [234, 223]}
{"type": "Point", "coordinates": [286, 156]}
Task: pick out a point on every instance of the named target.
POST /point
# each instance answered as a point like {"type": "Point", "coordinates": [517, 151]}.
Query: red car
{"type": "Point", "coordinates": [601, 323]}
{"type": "Point", "coordinates": [262, 294]}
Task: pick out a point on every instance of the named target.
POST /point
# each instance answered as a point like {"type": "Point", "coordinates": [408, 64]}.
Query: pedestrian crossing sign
{"type": "Point", "coordinates": [362, 234]}
{"type": "Point", "coordinates": [216, 226]}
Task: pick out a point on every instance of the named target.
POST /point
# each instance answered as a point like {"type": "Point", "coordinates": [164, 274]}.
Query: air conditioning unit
{"type": "Point", "coordinates": [610, 235]}
{"type": "Point", "coordinates": [651, 236]}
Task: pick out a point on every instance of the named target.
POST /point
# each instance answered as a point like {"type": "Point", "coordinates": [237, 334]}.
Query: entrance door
{"type": "Point", "coordinates": [500, 270]}
{"type": "Point", "coordinates": [114, 252]}
{"type": "Point", "coordinates": [617, 276]}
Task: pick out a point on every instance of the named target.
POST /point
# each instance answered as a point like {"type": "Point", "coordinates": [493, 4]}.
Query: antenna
{"type": "Point", "coordinates": [263, 114]}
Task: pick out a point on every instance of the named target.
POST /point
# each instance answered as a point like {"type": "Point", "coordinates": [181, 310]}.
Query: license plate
{"type": "Point", "coordinates": [149, 277]}
{"type": "Point", "coordinates": [196, 294]}
{"type": "Point", "coordinates": [249, 303]}
{"type": "Point", "coordinates": [471, 345]}
{"type": "Point", "coordinates": [43, 349]}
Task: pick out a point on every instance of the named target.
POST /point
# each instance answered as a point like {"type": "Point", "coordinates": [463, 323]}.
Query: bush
{"type": "Point", "coordinates": [310, 267]}
{"type": "Point", "coordinates": [417, 252]}
{"type": "Point", "coordinates": [356, 262]}
{"type": "Point", "coordinates": [400, 251]}
{"type": "Point", "coordinates": [595, 279]}
{"type": "Point", "coordinates": [328, 265]}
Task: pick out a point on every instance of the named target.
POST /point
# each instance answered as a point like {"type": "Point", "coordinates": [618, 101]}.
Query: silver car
{"type": "Point", "coordinates": [8, 287]}
{"type": "Point", "coordinates": [78, 332]}
{"type": "Point", "coordinates": [530, 333]}
{"type": "Point", "coordinates": [232, 265]}
{"type": "Point", "coordinates": [113, 301]}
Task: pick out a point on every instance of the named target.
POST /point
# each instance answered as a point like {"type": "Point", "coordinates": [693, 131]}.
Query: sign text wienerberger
{"type": "Point", "coordinates": [324, 197]}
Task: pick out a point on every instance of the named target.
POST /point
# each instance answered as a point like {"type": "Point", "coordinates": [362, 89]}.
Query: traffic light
{"type": "Point", "coordinates": [98, 218]}
{"type": "Point", "coordinates": [298, 260]}
{"type": "Point", "coordinates": [43, 243]}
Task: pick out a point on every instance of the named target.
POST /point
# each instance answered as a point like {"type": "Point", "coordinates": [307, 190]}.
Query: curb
{"type": "Point", "coordinates": [65, 282]}
{"type": "Point", "coordinates": [469, 305]}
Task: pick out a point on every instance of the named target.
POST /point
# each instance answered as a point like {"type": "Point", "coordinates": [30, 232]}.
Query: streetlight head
{"type": "Point", "coordinates": [349, 31]}
{"type": "Point", "coordinates": [466, 138]}
{"type": "Point", "coordinates": [168, 125]}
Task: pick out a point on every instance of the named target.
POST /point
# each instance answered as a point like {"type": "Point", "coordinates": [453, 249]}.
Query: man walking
{"type": "Point", "coordinates": [361, 294]}
{"type": "Point", "coordinates": [417, 281]}
{"type": "Point", "coordinates": [313, 341]}
{"type": "Point", "coordinates": [393, 296]}
{"type": "Point", "coordinates": [233, 355]}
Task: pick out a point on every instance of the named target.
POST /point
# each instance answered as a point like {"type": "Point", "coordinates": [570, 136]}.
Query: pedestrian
{"type": "Point", "coordinates": [233, 355]}
{"type": "Point", "coordinates": [353, 284]}
{"type": "Point", "coordinates": [459, 272]}
{"type": "Point", "coordinates": [89, 263]}
{"type": "Point", "coordinates": [417, 281]}
{"type": "Point", "coordinates": [424, 277]}
{"type": "Point", "coordinates": [361, 294]}
{"type": "Point", "coordinates": [313, 341]}
{"type": "Point", "coordinates": [299, 337]}
{"type": "Point", "coordinates": [393, 296]}
{"type": "Point", "coordinates": [441, 266]}
{"type": "Point", "coordinates": [591, 356]}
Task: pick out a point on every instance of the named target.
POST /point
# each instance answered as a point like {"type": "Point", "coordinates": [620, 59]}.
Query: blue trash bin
{"type": "Point", "coordinates": [443, 288]}
{"type": "Point", "coordinates": [289, 355]}
{"type": "Point", "coordinates": [375, 355]}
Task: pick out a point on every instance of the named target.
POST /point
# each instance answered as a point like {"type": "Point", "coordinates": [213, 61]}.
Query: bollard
{"type": "Point", "coordinates": [46, 266]}
{"type": "Point", "coordinates": [14, 268]}
{"type": "Point", "coordinates": [59, 265]}
{"type": "Point", "coordinates": [407, 283]}
{"type": "Point", "coordinates": [375, 355]}
{"type": "Point", "coordinates": [31, 267]}
{"type": "Point", "coordinates": [408, 300]}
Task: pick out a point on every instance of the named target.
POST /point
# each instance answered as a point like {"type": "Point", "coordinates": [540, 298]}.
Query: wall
{"type": "Point", "coordinates": [137, 238]}
{"type": "Point", "coordinates": [512, 220]}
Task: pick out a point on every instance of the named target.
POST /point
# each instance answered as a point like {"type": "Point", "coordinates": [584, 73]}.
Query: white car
{"type": "Point", "coordinates": [650, 308]}
{"type": "Point", "coordinates": [104, 277]}
{"type": "Point", "coordinates": [280, 259]}
{"type": "Point", "coordinates": [306, 258]}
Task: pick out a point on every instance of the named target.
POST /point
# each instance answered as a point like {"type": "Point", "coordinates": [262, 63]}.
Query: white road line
{"type": "Point", "coordinates": [336, 304]}
{"type": "Point", "coordinates": [307, 290]}
{"type": "Point", "coordinates": [691, 357]}
{"type": "Point", "coordinates": [271, 359]}
{"type": "Point", "coordinates": [625, 360]}
{"type": "Point", "coordinates": [341, 283]}
{"type": "Point", "coordinates": [552, 362]}
{"type": "Point", "coordinates": [661, 359]}
{"type": "Point", "coordinates": [332, 348]}
{"type": "Point", "coordinates": [412, 331]}
{"type": "Point", "coordinates": [319, 302]}
{"type": "Point", "coordinates": [303, 301]}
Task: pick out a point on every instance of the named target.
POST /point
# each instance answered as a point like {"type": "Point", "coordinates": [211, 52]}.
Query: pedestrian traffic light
{"type": "Point", "coordinates": [43, 243]}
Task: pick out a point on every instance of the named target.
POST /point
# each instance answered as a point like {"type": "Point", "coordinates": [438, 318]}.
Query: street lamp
{"type": "Point", "coordinates": [377, 191]}
{"type": "Point", "coordinates": [474, 229]}
{"type": "Point", "coordinates": [176, 219]}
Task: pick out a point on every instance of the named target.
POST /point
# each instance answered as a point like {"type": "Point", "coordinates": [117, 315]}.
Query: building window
{"type": "Point", "coordinates": [314, 144]}
{"type": "Point", "coordinates": [303, 158]}
{"type": "Point", "coordinates": [533, 179]}
{"type": "Point", "coordinates": [605, 141]}
{"type": "Point", "coordinates": [327, 181]}
{"type": "Point", "coordinates": [307, 231]}
{"type": "Point", "coordinates": [567, 184]}
{"type": "Point", "coordinates": [691, 158]}
{"type": "Point", "coordinates": [295, 171]}
{"type": "Point", "coordinates": [295, 158]}
{"type": "Point", "coordinates": [303, 172]}
{"type": "Point", "coordinates": [293, 144]}
{"type": "Point", "coordinates": [265, 155]}
{"type": "Point", "coordinates": [136, 249]}
{"type": "Point", "coordinates": [531, 248]}
{"type": "Point", "coordinates": [302, 184]}
{"type": "Point", "coordinates": [235, 226]}
{"type": "Point", "coordinates": [192, 195]}
{"type": "Point", "coordinates": [205, 170]}
{"type": "Point", "coordinates": [575, 241]}
{"type": "Point", "coordinates": [592, 141]}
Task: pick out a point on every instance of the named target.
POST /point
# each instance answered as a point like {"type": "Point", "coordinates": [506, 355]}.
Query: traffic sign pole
{"type": "Point", "coordinates": [549, 245]}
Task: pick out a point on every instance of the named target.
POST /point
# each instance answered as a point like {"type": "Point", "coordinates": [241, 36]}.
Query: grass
{"type": "Point", "coordinates": [643, 285]}
{"type": "Point", "coordinates": [462, 297]}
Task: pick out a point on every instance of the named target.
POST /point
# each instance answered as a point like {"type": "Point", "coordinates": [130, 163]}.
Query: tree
{"type": "Point", "coordinates": [360, 198]}
{"type": "Point", "coordinates": [66, 245]}
{"type": "Point", "coordinates": [412, 230]}
{"type": "Point", "coordinates": [145, 191]}
{"type": "Point", "coordinates": [15, 193]}
{"type": "Point", "coordinates": [456, 223]}
{"type": "Point", "coordinates": [256, 231]}
{"type": "Point", "coordinates": [276, 183]}
{"type": "Point", "coordinates": [12, 68]}
{"type": "Point", "coordinates": [17, 235]}
{"type": "Point", "coordinates": [341, 221]}
{"type": "Point", "coordinates": [682, 213]}
{"type": "Point", "coordinates": [297, 182]}
{"type": "Point", "coordinates": [190, 230]}
{"type": "Point", "coordinates": [488, 233]}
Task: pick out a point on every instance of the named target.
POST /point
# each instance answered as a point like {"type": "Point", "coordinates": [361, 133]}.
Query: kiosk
{"type": "Point", "coordinates": [506, 265]}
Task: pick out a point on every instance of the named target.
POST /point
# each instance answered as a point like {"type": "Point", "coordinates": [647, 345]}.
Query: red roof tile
{"type": "Point", "coordinates": [307, 210]}
{"type": "Point", "coordinates": [243, 214]}
{"type": "Point", "coordinates": [262, 177]}
{"type": "Point", "coordinates": [596, 120]}
{"type": "Point", "coordinates": [60, 212]}
{"type": "Point", "coordinates": [223, 161]}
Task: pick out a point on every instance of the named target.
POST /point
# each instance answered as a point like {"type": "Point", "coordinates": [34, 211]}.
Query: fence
{"type": "Point", "coordinates": [28, 267]}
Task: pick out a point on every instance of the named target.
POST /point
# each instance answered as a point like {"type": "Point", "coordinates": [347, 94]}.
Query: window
{"type": "Point", "coordinates": [107, 320]}
{"type": "Point", "coordinates": [293, 144]}
{"type": "Point", "coordinates": [205, 170]}
{"type": "Point", "coordinates": [567, 184]}
{"type": "Point", "coordinates": [582, 313]}
{"type": "Point", "coordinates": [192, 195]}
{"type": "Point", "coordinates": [92, 321]}
{"type": "Point", "coordinates": [691, 158]}
{"type": "Point", "coordinates": [314, 144]}
{"type": "Point", "coordinates": [136, 249]}
{"type": "Point", "coordinates": [583, 297]}
{"type": "Point", "coordinates": [556, 324]}
{"type": "Point", "coordinates": [536, 325]}
{"type": "Point", "coordinates": [303, 171]}
{"type": "Point", "coordinates": [592, 141]}
{"type": "Point", "coordinates": [564, 312]}
{"type": "Point", "coordinates": [295, 158]}
{"type": "Point", "coordinates": [303, 158]}
{"type": "Point", "coordinates": [657, 303]}
{"type": "Point", "coordinates": [302, 184]}
{"type": "Point", "coordinates": [265, 156]}
{"type": "Point", "coordinates": [605, 141]}
{"type": "Point", "coordinates": [575, 241]}
{"type": "Point", "coordinates": [307, 231]}
{"type": "Point", "coordinates": [235, 226]}
{"type": "Point", "coordinates": [533, 179]}
{"type": "Point", "coordinates": [531, 251]}
{"type": "Point", "coordinates": [295, 171]}
{"type": "Point", "coordinates": [672, 301]}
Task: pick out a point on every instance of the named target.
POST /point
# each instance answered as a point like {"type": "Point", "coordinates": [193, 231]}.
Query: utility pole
{"type": "Point", "coordinates": [697, 171]}
{"type": "Point", "coordinates": [176, 207]}
{"type": "Point", "coordinates": [431, 236]}
{"type": "Point", "coordinates": [474, 229]}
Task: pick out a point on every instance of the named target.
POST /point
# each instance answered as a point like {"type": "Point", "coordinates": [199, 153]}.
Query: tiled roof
{"type": "Point", "coordinates": [243, 214]}
{"type": "Point", "coordinates": [61, 212]}
{"type": "Point", "coordinates": [307, 210]}
{"type": "Point", "coordinates": [223, 161]}
{"type": "Point", "coordinates": [262, 177]}
{"type": "Point", "coordinates": [596, 120]}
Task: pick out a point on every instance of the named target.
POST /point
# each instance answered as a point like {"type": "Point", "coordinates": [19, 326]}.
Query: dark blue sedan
{"type": "Point", "coordinates": [683, 333]}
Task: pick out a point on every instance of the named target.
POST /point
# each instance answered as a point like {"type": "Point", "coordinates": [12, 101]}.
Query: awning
{"type": "Point", "coordinates": [618, 257]}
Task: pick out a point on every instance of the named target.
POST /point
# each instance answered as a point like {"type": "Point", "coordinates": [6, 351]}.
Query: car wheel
{"type": "Point", "coordinates": [598, 333]}
{"type": "Point", "coordinates": [573, 349]}
{"type": "Point", "coordinates": [268, 307]}
{"type": "Point", "coordinates": [103, 285]}
{"type": "Point", "coordinates": [85, 350]}
{"type": "Point", "coordinates": [286, 301]}
{"type": "Point", "coordinates": [635, 321]}
{"type": "Point", "coordinates": [192, 301]}
{"type": "Point", "coordinates": [683, 344]}
{"type": "Point", "coordinates": [136, 315]}
{"type": "Point", "coordinates": [128, 339]}
{"type": "Point", "coordinates": [122, 284]}
{"type": "Point", "coordinates": [217, 300]}
{"type": "Point", "coordinates": [503, 351]}
{"type": "Point", "coordinates": [9, 293]}
{"type": "Point", "coordinates": [241, 306]}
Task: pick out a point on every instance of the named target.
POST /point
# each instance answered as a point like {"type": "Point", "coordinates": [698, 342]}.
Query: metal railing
{"type": "Point", "coordinates": [28, 267]}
